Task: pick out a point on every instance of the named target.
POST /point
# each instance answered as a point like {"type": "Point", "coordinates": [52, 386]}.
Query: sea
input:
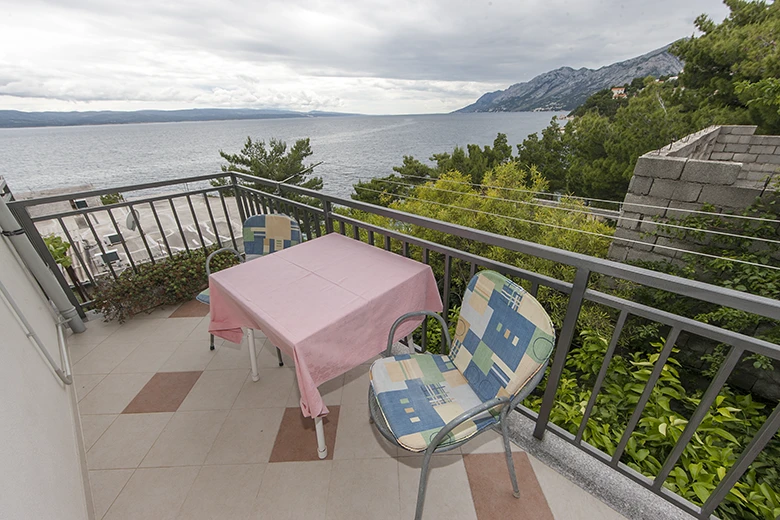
{"type": "Point", "coordinates": [350, 148]}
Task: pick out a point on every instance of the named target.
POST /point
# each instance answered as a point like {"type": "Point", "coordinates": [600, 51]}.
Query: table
{"type": "Point", "coordinates": [328, 303]}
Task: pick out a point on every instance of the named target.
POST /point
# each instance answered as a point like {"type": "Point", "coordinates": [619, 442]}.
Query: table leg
{"type": "Point", "coordinates": [322, 448]}
{"type": "Point", "coordinates": [252, 354]}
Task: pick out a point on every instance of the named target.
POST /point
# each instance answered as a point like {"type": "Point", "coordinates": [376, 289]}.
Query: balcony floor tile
{"type": "Point", "coordinates": [492, 489]}
{"type": "Point", "coordinates": [164, 392]}
{"type": "Point", "coordinates": [279, 496]}
{"type": "Point", "coordinates": [106, 484]}
{"type": "Point", "coordinates": [448, 496]}
{"type": "Point", "coordinates": [293, 442]}
{"type": "Point", "coordinates": [94, 426]}
{"type": "Point", "coordinates": [246, 437]}
{"type": "Point", "coordinates": [190, 355]}
{"type": "Point", "coordinates": [223, 493]}
{"type": "Point", "coordinates": [113, 393]}
{"type": "Point", "coordinates": [127, 441]}
{"type": "Point", "coordinates": [153, 493]}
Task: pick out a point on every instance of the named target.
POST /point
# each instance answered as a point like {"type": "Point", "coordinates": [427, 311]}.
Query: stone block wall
{"type": "Point", "coordinates": [726, 166]}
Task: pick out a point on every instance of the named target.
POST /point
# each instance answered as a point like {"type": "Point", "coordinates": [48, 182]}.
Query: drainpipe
{"type": "Point", "coordinates": [10, 227]}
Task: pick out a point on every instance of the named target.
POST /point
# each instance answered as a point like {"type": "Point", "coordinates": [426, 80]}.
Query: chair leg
{"type": "Point", "coordinates": [211, 342]}
{"type": "Point", "coordinates": [423, 485]}
{"type": "Point", "coordinates": [279, 355]}
{"type": "Point", "coordinates": [509, 462]}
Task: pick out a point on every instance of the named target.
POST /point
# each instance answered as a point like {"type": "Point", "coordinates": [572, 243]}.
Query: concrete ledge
{"type": "Point", "coordinates": [617, 491]}
{"type": "Point", "coordinates": [738, 129]}
{"type": "Point", "coordinates": [711, 172]}
{"type": "Point", "coordinates": [659, 166]}
{"type": "Point", "coordinates": [728, 196]}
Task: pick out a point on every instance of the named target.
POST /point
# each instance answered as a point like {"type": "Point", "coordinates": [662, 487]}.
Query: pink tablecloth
{"type": "Point", "coordinates": [328, 303]}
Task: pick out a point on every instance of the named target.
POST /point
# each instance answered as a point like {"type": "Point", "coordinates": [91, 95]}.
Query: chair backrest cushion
{"type": "Point", "coordinates": [503, 336]}
{"type": "Point", "coordinates": [264, 234]}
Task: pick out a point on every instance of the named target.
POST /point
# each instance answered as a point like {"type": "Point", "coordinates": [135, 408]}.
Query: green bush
{"type": "Point", "coordinates": [58, 249]}
{"type": "Point", "coordinates": [175, 280]}
{"type": "Point", "coordinates": [111, 198]}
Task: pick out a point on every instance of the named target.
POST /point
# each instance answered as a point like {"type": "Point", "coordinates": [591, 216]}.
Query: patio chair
{"type": "Point", "coordinates": [431, 403]}
{"type": "Point", "coordinates": [263, 235]}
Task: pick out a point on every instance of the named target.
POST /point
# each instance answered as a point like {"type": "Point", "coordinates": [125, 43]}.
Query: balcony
{"type": "Point", "coordinates": [213, 441]}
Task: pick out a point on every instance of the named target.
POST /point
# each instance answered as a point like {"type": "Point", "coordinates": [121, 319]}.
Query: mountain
{"type": "Point", "coordinates": [17, 119]}
{"type": "Point", "coordinates": [566, 88]}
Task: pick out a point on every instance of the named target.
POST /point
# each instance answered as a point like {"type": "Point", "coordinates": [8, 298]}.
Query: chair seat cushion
{"type": "Point", "coordinates": [419, 394]}
{"type": "Point", "coordinates": [204, 297]}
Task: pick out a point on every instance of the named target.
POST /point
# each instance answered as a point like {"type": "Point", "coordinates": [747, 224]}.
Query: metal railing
{"type": "Point", "coordinates": [320, 213]}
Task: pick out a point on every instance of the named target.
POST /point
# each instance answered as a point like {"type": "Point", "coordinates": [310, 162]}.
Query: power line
{"type": "Point", "coordinates": [592, 233]}
{"type": "Point", "coordinates": [619, 203]}
{"type": "Point", "coordinates": [586, 212]}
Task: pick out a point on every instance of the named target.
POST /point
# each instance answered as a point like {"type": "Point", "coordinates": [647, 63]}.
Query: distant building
{"type": "Point", "coordinates": [618, 92]}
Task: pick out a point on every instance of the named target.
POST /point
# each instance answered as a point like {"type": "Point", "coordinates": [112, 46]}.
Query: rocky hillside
{"type": "Point", "coordinates": [567, 88]}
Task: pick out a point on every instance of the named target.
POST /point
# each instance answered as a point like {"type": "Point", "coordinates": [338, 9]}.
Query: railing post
{"type": "Point", "coordinates": [327, 209]}
{"type": "Point", "coordinates": [239, 198]}
{"type": "Point", "coordinates": [24, 220]}
{"type": "Point", "coordinates": [562, 349]}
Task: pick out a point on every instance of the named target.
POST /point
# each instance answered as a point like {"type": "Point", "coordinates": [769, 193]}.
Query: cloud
{"type": "Point", "coordinates": [371, 56]}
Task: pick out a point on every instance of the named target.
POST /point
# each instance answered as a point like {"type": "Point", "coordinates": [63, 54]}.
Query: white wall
{"type": "Point", "coordinates": [41, 472]}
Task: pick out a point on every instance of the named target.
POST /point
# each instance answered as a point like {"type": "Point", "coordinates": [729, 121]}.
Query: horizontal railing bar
{"type": "Point", "coordinates": [752, 303]}
{"type": "Point", "coordinates": [294, 203]}
{"type": "Point", "coordinates": [127, 203]}
{"type": "Point", "coordinates": [689, 325]}
{"type": "Point", "coordinates": [682, 503]}
{"type": "Point", "coordinates": [119, 189]}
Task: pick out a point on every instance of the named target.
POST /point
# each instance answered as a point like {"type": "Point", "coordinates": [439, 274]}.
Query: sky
{"type": "Point", "coordinates": [357, 56]}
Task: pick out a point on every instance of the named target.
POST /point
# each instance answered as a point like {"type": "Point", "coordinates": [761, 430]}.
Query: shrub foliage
{"type": "Point", "coordinates": [174, 280]}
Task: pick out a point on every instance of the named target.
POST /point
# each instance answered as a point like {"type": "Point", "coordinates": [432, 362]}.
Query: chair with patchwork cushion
{"type": "Point", "coordinates": [432, 403]}
{"type": "Point", "coordinates": [263, 235]}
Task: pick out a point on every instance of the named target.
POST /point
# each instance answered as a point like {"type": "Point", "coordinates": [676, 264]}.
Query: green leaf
{"type": "Point", "coordinates": [726, 435]}
{"type": "Point", "coordinates": [701, 491]}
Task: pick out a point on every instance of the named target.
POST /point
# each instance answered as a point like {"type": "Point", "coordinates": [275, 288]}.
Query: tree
{"type": "Point", "coordinates": [472, 161]}
{"type": "Point", "coordinates": [385, 190]}
{"type": "Point", "coordinates": [477, 161]}
{"type": "Point", "coordinates": [549, 155]}
{"type": "Point", "coordinates": [732, 65]}
{"type": "Point", "coordinates": [273, 162]}
{"type": "Point", "coordinates": [602, 102]}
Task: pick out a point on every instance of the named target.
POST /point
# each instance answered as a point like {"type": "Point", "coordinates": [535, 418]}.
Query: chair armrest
{"type": "Point", "coordinates": [465, 416]}
{"type": "Point", "coordinates": [445, 336]}
{"type": "Point", "coordinates": [221, 250]}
